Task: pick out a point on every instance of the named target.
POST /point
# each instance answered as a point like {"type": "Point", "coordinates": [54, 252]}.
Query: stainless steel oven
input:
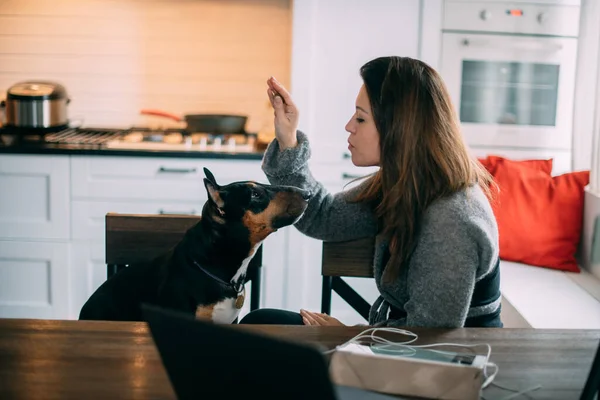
{"type": "Point", "coordinates": [510, 68]}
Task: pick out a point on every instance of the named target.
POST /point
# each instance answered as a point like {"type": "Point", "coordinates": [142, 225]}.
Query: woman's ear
{"type": "Point", "coordinates": [213, 193]}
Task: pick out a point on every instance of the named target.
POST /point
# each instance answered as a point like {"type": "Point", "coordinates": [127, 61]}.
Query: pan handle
{"type": "Point", "coordinates": [160, 113]}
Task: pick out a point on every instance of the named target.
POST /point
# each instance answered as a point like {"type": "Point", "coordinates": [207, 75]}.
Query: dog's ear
{"type": "Point", "coordinates": [210, 176]}
{"type": "Point", "coordinates": [213, 193]}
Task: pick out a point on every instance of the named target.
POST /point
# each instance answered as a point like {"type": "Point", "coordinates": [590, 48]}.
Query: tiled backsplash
{"type": "Point", "coordinates": [116, 57]}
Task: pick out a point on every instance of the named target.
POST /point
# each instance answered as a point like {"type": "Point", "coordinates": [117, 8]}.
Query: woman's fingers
{"type": "Point", "coordinates": [313, 318]}
{"type": "Point", "coordinates": [276, 101]}
{"type": "Point", "coordinates": [279, 89]}
{"type": "Point", "coordinates": [271, 96]}
{"type": "Point", "coordinates": [307, 318]}
{"type": "Point", "coordinates": [286, 114]}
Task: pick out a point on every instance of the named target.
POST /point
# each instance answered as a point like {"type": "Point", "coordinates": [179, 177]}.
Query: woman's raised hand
{"type": "Point", "coordinates": [286, 114]}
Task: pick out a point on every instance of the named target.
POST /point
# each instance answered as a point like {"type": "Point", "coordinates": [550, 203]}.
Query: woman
{"type": "Point", "coordinates": [436, 256]}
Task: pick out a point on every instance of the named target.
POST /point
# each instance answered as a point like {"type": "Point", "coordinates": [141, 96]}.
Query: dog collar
{"type": "Point", "coordinates": [238, 286]}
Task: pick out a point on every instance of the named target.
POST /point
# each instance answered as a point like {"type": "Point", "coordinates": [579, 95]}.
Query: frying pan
{"type": "Point", "coordinates": [206, 123]}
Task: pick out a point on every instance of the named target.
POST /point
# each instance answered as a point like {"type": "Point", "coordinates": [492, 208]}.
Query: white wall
{"type": "Point", "coordinates": [116, 57]}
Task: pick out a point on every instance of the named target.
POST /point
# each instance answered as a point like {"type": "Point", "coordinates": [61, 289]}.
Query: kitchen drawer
{"type": "Point", "coordinates": [34, 201]}
{"type": "Point", "coordinates": [153, 179]}
{"type": "Point", "coordinates": [88, 217]}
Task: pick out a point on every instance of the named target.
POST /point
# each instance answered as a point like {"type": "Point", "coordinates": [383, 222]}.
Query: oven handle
{"type": "Point", "coordinates": [517, 45]}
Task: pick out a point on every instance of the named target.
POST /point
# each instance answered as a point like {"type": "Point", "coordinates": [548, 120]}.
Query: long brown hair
{"type": "Point", "coordinates": [423, 154]}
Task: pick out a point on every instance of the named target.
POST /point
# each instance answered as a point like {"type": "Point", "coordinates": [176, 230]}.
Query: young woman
{"type": "Point", "coordinates": [436, 257]}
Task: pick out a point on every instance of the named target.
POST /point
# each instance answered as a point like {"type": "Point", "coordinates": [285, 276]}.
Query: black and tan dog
{"type": "Point", "coordinates": [203, 275]}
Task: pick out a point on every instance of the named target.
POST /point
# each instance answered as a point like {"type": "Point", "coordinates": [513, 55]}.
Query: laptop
{"type": "Point", "coordinates": [209, 361]}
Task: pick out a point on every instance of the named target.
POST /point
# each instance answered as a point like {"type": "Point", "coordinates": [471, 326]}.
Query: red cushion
{"type": "Point", "coordinates": [491, 163]}
{"type": "Point", "coordinates": [539, 216]}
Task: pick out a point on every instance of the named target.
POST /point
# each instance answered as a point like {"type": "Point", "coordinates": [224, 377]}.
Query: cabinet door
{"type": "Point", "coordinates": [88, 271]}
{"type": "Point", "coordinates": [34, 201]}
{"type": "Point", "coordinates": [34, 280]}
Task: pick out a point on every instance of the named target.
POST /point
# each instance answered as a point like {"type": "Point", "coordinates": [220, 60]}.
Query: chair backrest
{"type": "Point", "coordinates": [351, 258]}
{"type": "Point", "coordinates": [134, 238]}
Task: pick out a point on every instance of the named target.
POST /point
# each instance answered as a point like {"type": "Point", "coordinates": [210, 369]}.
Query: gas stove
{"type": "Point", "coordinates": [135, 138]}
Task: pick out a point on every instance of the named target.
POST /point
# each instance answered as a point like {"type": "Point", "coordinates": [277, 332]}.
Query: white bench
{"type": "Point", "coordinates": [545, 298]}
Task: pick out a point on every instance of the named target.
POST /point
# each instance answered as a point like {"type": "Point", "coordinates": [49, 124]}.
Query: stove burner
{"type": "Point", "coordinates": [83, 136]}
{"type": "Point", "coordinates": [142, 138]}
{"type": "Point", "coordinates": [69, 136]}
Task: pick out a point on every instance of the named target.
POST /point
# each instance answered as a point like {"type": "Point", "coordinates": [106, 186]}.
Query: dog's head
{"type": "Point", "coordinates": [259, 208]}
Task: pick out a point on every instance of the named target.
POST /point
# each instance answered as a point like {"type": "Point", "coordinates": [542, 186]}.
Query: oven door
{"type": "Point", "coordinates": [514, 91]}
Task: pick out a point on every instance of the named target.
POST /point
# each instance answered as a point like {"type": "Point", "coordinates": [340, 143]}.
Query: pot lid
{"type": "Point", "coordinates": [39, 90]}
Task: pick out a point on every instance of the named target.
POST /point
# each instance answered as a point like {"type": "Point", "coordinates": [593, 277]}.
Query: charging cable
{"type": "Point", "coordinates": [370, 336]}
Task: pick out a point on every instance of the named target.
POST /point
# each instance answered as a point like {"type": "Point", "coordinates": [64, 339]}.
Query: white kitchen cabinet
{"type": "Point", "coordinates": [153, 178]}
{"type": "Point", "coordinates": [34, 279]}
{"type": "Point", "coordinates": [34, 193]}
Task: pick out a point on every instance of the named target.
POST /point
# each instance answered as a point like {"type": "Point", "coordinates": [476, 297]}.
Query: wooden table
{"type": "Point", "coordinates": [43, 359]}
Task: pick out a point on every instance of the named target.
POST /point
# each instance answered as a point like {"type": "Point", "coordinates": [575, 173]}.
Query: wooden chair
{"type": "Point", "coordinates": [346, 259]}
{"type": "Point", "coordinates": [139, 238]}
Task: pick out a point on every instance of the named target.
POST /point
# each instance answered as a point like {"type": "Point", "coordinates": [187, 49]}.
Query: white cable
{"type": "Point", "coordinates": [377, 339]}
{"type": "Point", "coordinates": [522, 392]}
{"type": "Point", "coordinates": [489, 379]}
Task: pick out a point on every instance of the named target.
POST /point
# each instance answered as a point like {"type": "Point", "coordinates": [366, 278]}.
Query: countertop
{"type": "Point", "coordinates": [10, 146]}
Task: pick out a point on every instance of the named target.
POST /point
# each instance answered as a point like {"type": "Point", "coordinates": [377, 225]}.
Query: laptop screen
{"type": "Point", "coordinates": [204, 360]}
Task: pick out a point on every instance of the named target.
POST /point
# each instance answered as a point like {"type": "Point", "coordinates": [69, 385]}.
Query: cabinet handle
{"type": "Point", "coordinates": [165, 212]}
{"type": "Point", "coordinates": [350, 176]}
{"type": "Point", "coordinates": [177, 170]}
{"type": "Point", "coordinates": [346, 156]}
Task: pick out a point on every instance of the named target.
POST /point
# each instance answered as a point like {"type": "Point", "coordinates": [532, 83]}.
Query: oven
{"type": "Point", "coordinates": [510, 69]}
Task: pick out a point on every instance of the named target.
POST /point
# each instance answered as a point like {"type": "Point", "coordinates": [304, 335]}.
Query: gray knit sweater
{"type": "Point", "coordinates": [457, 245]}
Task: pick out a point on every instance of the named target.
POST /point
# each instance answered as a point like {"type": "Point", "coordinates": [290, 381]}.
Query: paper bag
{"type": "Point", "coordinates": [405, 376]}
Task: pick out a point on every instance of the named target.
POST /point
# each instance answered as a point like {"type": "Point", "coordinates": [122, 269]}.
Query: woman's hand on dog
{"type": "Point", "coordinates": [319, 319]}
{"type": "Point", "coordinates": [286, 114]}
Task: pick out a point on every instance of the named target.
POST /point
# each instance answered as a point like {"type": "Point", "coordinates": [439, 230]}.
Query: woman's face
{"type": "Point", "coordinates": [363, 141]}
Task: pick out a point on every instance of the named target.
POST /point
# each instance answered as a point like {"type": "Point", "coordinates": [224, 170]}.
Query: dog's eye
{"type": "Point", "coordinates": [255, 194]}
